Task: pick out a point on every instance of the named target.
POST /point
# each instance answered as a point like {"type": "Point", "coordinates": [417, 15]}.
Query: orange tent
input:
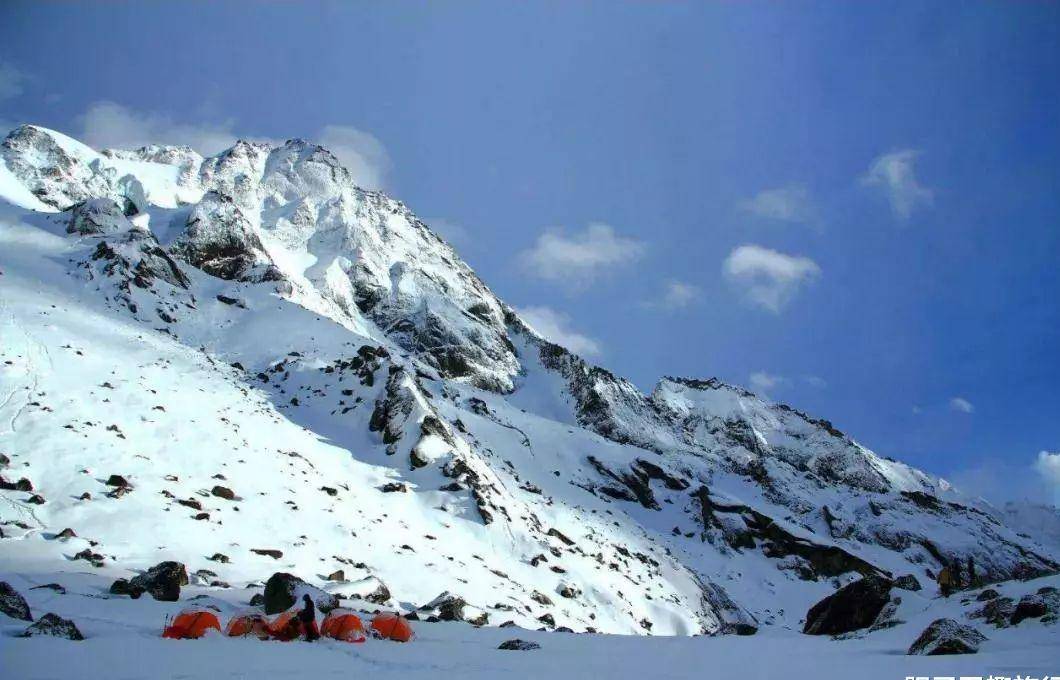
{"type": "Point", "coordinates": [191, 624]}
{"type": "Point", "coordinates": [342, 624]}
{"type": "Point", "coordinates": [286, 626]}
{"type": "Point", "coordinates": [390, 626]}
{"type": "Point", "coordinates": [245, 625]}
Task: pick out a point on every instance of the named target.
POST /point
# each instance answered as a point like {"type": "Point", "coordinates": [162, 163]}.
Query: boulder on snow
{"type": "Point", "coordinates": [118, 481]}
{"type": "Point", "coordinates": [283, 590]}
{"type": "Point", "coordinates": [163, 581]}
{"type": "Point", "coordinates": [13, 604]}
{"type": "Point", "coordinates": [123, 587]}
{"type": "Point", "coordinates": [1037, 605]}
{"type": "Point", "coordinates": [219, 557]}
{"type": "Point", "coordinates": [223, 492]}
{"type": "Point", "coordinates": [988, 594]}
{"type": "Point", "coordinates": [907, 582]}
{"type": "Point", "coordinates": [519, 645]}
{"type": "Point", "coordinates": [370, 589]}
{"type": "Point", "coordinates": [268, 552]}
{"type": "Point", "coordinates": [54, 626]}
{"type": "Point", "coordinates": [450, 607]}
{"type": "Point", "coordinates": [852, 607]}
{"type": "Point", "coordinates": [997, 611]}
{"type": "Point", "coordinates": [946, 636]}
{"type": "Point", "coordinates": [338, 575]}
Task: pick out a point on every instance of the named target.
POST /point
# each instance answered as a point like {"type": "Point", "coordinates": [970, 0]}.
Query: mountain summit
{"type": "Point", "coordinates": [246, 359]}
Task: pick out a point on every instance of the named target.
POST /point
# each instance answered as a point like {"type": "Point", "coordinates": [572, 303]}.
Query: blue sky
{"type": "Point", "coordinates": [851, 207]}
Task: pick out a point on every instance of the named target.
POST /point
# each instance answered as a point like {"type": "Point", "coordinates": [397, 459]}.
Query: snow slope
{"type": "Point", "coordinates": [255, 321]}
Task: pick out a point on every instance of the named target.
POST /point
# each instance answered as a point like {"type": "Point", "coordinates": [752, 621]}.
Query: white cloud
{"type": "Point", "coordinates": [580, 258]}
{"type": "Point", "coordinates": [454, 233]}
{"type": "Point", "coordinates": [555, 327]}
{"type": "Point", "coordinates": [789, 203]}
{"type": "Point", "coordinates": [11, 80]}
{"type": "Point", "coordinates": [767, 278]}
{"type": "Point", "coordinates": [675, 295]}
{"type": "Point", "coordinates": [361, 153]}
{"type": "Point", "coordinates": [961, 405]}
{"type": "Point", "coordinates": [893, 173]}
{"type": "Point", "coordinates": [110, 125]}
{"type": "Point", "coordinates": [815, 381]}
{"type": "Point", "coordinates": [764, 382]}
{"type": "Point", "coordinates": [1048, 466]}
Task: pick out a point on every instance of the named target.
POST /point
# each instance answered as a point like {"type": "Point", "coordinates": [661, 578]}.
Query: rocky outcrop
{"type": "Point", "coordinates": [220, 240]}
{"type": "Point", "coordinates": [13, 604]}
{"type": "Point", "coordinates": [852, 607]}
{"type": "Point", "coordinates": [53, 625]}
{"type": "Point", "coordinates": [162, 581]}
{"type": "Point", "coordinates": [946, 636]}
{"type": "Point", "coordinates": [519, 645]}
{"type": "Point", "coordinates": [283, 591]}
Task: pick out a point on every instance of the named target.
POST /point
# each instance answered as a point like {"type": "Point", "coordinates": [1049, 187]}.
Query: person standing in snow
{"type": "Point", "coordinates": [945, 580]}
{"type": "Point", "coordinates": [308, 616]}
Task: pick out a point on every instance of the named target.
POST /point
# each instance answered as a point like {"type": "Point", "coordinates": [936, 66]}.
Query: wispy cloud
{"type": "Point", "coordinates": [580, 258]}
{"type": "Point", "coordinates": [107, 124]}
{"type": "Point", "coordinates": [1048, 466]}
{"type": "Point", "coordinates": [359, 152]}
{"type": "Point", "coordinates": [764, 383]}
{"type": "Point", "coordinates": [961, 405]}
{"type": "Point", "coordinates": [767, 278]}
{"type": "Point", "coordinates": [555, 327]}
{"type": "Point", "coordinates": [675, 295]}
{"type": "Point", "coordinates": [11, 81]}
{"type": "Point", "coordinates": [894, 174]}
{"type": "Point", "coordinates": [791, 203]}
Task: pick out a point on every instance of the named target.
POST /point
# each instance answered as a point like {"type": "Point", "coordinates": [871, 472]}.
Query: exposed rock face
{"type": "Point", "coordinates": [370, 589]}
{"type": "Point", "coordinates": [519, 645]}
{"type": "Point", "coordinates": [162, 581]}
{"type": "Point", "coordinates": [850, 608]}
{"type": "Point", "coordinates": [220, 240]}
{"type": "Point", "coordinates": [54, 626]}
{"type": "Point", "coordinates": [449, 607]}
{"type": "Point", "coordinates": [283, 591]}
{"type": "Point", "coordinates": [946, 636]}
{"type": "Point", "coordinates": [97, 216]}
{"type": "Point", "coordinates": [907, 582]}
{"type": "Point", "coordinates": [12, 603]}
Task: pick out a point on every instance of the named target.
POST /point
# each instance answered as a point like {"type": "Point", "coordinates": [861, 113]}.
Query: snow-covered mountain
{"type": "Point", "coordinates": [255, 321]}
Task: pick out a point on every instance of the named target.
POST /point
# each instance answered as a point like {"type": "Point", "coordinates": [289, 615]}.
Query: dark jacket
{"type": "Point", "coordinates": [308, 613]}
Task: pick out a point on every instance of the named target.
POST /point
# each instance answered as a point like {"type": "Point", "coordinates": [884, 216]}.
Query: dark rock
{"type": "Point", "coordinates": [51, 586]}
{"type": "Point", "coordinates": [852, 607]}
{"type": "Point", "coordinates": [541, 598]}
{"type": "Point", "coordinates": [907, 582]}
{"type": "Point", "coordinates": [268, 552]}
{"type": "Point", "coordinates": [519, 645]}
{"type": "Point", "coordinates": [219, 557]}
{"type": "Point", "coordinates": [202, 516]}
{"type": "Point", "coordinates": [257, 600]}
{"type": "Point", "coordinates": [223, 492]}
{"type": "Point", "coordinates": [988, 594]}
{"type": "Point", "coordinates": [13, 604]}
{"type": "Point", "coordinates": [1035, 606]}
{"type": "Point", "coordinates": [190, 503]}
{"type": "Point", "coordinates": [393, 487]}
{"type": "Point", "coordinates": [480, 620]}
{"type": "Point", "coordinates": [946, 636]}
{"type": "Point", "coordinates": [94, 558]}
{"type": "Point", "coordinates": [118, 481]}
{"type": "Point", "coordinates": [119, 492]}
{"type": "Point", "coordinates": [283, 590]}
{"type": "Point", "coordinates": [36, 499]}
{"type": "Point", "coordinates": [123, 587]}
{"type": "Point", "coordinates": [997, 611]}
{"type": "Point", "coordinates": [548, 620]}
{"type": "Point", "coordinates": [162, 581]}
{"type": "Point", "coordinates": [339, 575]}
{"type": "Point", "coordinates": [331, 491]}
{"type": "Point", "coordinates": [450, 607]}
{"type": "Point", "coordinates": [55, 626]}
{"type": "Point", "coordinates": [568, 591]}
{"type": "Point", "coordinates": [740, 629]}
{"type": "Point", "coordinates": [21, 485]}
{"type": "Point", "coordinates": [66, 533]}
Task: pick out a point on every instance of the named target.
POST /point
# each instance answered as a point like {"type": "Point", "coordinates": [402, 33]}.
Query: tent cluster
{"type": "Point", "coordinates": [339, 624]}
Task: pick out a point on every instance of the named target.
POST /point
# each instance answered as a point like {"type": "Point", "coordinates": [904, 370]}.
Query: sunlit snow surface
{"type": "Point", "coordinates": [496, 475]}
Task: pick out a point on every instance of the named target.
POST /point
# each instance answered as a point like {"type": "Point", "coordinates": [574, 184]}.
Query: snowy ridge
{"type": "Point", "coordinates": [255, 321]}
